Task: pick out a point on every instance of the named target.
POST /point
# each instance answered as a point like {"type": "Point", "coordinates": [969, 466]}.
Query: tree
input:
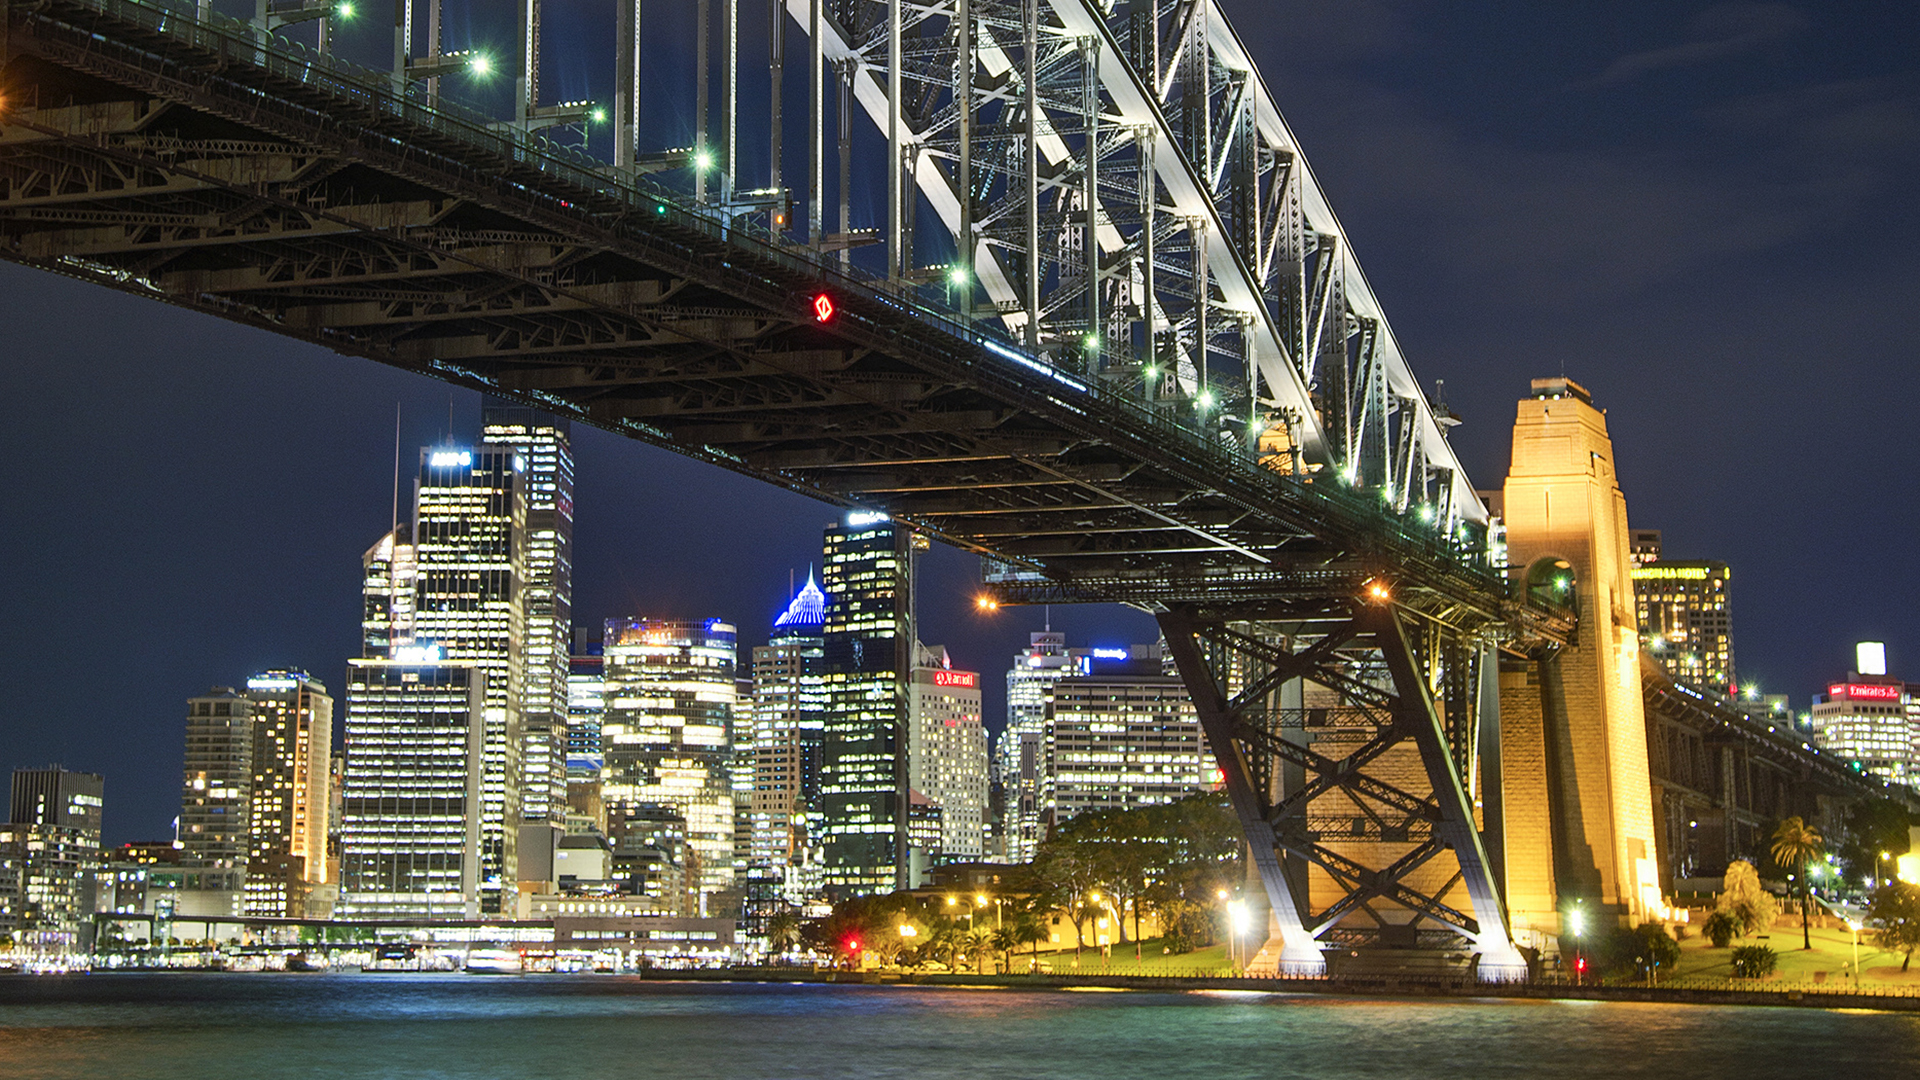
{"type": "Point", "coordinates": [1720, 928]}
{"type": "Point", "coordinates": [1753, 907]}
{"type": "Point", "coordinates": [1875, 833]}
{"type": "Point", "coordinates": [1894, 915]}
{"type": "Point", "coordinates": [1795, 843]}
{"type": "Point", "coordinates": [783, 932]}
{"type": "Point", "coordinates": [1753, 962]}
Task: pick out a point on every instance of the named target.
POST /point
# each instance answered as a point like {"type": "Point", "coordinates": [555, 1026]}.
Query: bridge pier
{"type": "Point", "coordinates": [1579, 804]}
{"type": "Point", "coordinates": [1347, 773]}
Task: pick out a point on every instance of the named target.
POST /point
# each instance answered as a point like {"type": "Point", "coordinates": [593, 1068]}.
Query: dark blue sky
{"type": "Point", "coordinates": [1706, 213]}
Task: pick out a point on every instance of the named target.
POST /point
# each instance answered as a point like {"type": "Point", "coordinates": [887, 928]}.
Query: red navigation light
{"type": "Point", "coordinates": [853, 945]}
{"type": "Point", "coordinates": [822, 308]}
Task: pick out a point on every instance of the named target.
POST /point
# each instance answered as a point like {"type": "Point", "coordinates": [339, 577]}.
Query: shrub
{"type": "Point", "coordinates": [1720, 928]}
{"type": "Point", "coordinates": [1753, 962]}
{"type": "Point", "coordinates": [1752, 907]}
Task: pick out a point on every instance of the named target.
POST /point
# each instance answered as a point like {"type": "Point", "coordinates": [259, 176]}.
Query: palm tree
{"type": "Point", "coordinates": [1795, 843]}
{"type": "Point", "coordinates": [783, 931]}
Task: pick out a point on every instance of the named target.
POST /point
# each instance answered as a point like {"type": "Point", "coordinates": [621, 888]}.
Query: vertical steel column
{"type": "Point", "coordinates": [433, 47]}
{"type": "Point", "coordinates": [816, 129]}
{"type": "Point", "coordinates": [729, 164]}
{"type": "Point", "coordinates": [1247, 345]}
{"type": "Point", "coordinates": [896, 151]}
{"type": "Point", "coordinates": [528, 86]}
{"type": "Point", "coordinates": [324, 40]}
{"type": "Point", "coordinates": [963, 101]}
{"type": "Point", "coordinates": [626, 89]}
{"type": "Point", "coordinates": [402, 43]}
{"type": "Point", "coordinates": [702, 157]}
{"type": "Point", "coordinates": [1030, 40]}
{"type": "Point", "coordinates": [1493, 800]}
{"type": "Point", "coordinates": [1197, 230]}
{"type": "Point", "coordinates": [1149, 204]}
{"type": "Point", "coordinates": [777, 72]}
{"type": "Point", "coordinates": [1090, 105]}
{"type": "Point", "coordinates": [845, 68]}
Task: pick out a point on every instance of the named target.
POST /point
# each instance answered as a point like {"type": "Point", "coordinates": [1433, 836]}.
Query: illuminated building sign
{"type": "Point", "coordinates": [447, 459]}
{"type": "Point", "coordinates": [1109, 654]}
{"type": "Point", "coordinates": [270, 683]}
{"type": "Point", "coordinates": [417, 654]}
{"type": "Point", "coordinates": [965, 679]}
{"type": "Point", "coordinates": [1672, 573]}
{"type": "Point", "coordinates": [1863, 692]}
{"type": "Point", "coordinates": [858, 518]}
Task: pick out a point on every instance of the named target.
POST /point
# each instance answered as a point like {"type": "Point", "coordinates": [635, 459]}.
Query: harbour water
{"type": "Point", "coordinates": [219, 1026]}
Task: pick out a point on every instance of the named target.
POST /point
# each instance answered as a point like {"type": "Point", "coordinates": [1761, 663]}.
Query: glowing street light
{"type": "Point", "coordinates": [599, 116]}
{"type": "Point", "coordinates": [343, 12]}
{"type": "Point", "coordinates": [703, 160]}
{"type": "Point", "coordinates": [984, 603]}
{"type": "Point", "coordinates": [1205, 400]}
{"type": "Point", "coordinates": [957, 275]}
{"type": "Point", "coordinates": [480, 66]}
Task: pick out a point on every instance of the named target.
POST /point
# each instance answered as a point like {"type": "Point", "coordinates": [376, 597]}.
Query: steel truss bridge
{"type": "Point", "coordinates": [1134, 361]}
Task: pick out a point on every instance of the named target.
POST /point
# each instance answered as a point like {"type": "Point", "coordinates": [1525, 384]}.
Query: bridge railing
{"type": "Point", "coordinates": [344, 93]}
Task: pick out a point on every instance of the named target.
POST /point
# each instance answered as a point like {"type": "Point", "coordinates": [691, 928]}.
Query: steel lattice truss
{"type": "Point", "coordinates": [1134, 206]}
{"type": "Point", "coordinates": [1140, 188]}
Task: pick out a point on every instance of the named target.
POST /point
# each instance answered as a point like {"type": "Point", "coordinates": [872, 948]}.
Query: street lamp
{"type": "Point", "coordinates": [1854, 925]}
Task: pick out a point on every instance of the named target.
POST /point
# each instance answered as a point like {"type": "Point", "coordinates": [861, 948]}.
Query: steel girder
{"type": "Point", "coordinates": [1348, 739]}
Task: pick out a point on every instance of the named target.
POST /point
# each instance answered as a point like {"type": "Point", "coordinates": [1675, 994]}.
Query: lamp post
{"type": "Point", "coordinates": [1236, 926]}
{"type": "Point", "coordinates": [1576, 925]}
{"type": "Point", "coordinates": [1854, 925]}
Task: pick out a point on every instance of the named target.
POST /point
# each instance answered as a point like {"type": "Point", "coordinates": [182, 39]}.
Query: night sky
{"type": "Point", "coordinates": [1704, 213]}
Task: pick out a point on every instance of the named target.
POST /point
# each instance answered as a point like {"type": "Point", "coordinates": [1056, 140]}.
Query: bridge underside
{"type": "Point", "coordinates": [1336, 648]}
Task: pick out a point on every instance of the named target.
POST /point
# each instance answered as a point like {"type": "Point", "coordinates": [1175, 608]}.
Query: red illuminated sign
{"type": "Point", "coordinates": [1863, 692]}
{"type": "Point", "coordinates": [822, 308]}
{"type": "Point", "coordinates": [956, 678]}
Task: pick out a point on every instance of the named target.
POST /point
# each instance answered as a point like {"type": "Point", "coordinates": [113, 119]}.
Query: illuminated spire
{"type": "Point", "coordinates": [808, 610]}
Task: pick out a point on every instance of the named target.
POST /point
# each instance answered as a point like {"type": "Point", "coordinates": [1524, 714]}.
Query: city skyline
{"type": "Point", "coordinates": [209, 452]}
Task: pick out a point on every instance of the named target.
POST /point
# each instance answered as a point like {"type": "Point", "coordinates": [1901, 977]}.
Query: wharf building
{"type": "Point", "coordinates": [667, 733]}
{"type": "Point", "coordinates": [867, 642]}
{"type": "Point", "coordinates": [789, 723]}
{"type": "Point", "coordinates": [288, 802]}
{"type": "Point", "coordinates": [410, 833]}
{"type": "Point", "coordinates": [1122, 737]}
{"type": "Point", "coordinates": [49, 853]}
{"type": "Point", "coordinates": [947, 758]}
{"type": "Point", "coordinates": [1871, 718]}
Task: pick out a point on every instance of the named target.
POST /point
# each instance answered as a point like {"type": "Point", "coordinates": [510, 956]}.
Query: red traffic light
{"type": "Point", "coordinates": [822, 308]}
{"type": "Point", "coordinates": [853, 945]}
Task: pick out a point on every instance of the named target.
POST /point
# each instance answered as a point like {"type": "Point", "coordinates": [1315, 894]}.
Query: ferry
{"type": "Point", "coordinates": [494, 962]}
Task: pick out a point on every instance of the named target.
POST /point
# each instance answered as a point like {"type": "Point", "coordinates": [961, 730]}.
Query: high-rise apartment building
{"type": "Point", "coordinates": [1685, 614]}
{"type": "Point", "coordinates": [48, 852]}
{"type": "Point", "coordinates": [667, 733]}
{"type": "Point", "coordinates": [216, 796]}
{"type": "Point", "coordinates": [789, 721]}
{"type": "Point", "coordinates": [287, 806]}
{"type": "Point", "coordinates": [1020, 751]}
{"type": "Point", "coordinates": [545, 465]}
{"type": "Point", "coordinates": [947, 752]}
{"type": "Point", "coordinates": [1122, 737]}
{"type": "Point", "coordinates": [586, 760]}
{"type": "Point", "coordinates": [410, 843]}
{"type": "Point", "coordinates": [867, 640]}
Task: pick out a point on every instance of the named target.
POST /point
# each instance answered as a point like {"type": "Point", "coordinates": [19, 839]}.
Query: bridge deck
{"type": "Point", "coordinates": [192, 163]}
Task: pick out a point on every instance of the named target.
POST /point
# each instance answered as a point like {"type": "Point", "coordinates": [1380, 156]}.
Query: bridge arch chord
{"type": "Point", "coordinates": [1191, 245]}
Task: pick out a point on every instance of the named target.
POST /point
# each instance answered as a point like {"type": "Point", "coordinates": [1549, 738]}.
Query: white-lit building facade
{"type": "Point", "coordinates": [1122, 737]}
{"type": "Point", "coordinates": [291, 718]}
{"type": "Point", "coordinates": [947, 753]}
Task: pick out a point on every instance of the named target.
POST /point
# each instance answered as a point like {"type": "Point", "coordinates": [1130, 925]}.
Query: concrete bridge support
{"type": "Point", "coordinates": [1579, 831]}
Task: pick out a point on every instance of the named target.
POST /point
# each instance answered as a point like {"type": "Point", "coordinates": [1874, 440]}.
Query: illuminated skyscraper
{"type": "Point", "coordinates": [947, 752]}
{"type": "Point", "coordinates": [1872, 718]}
{"type": "Point", "coordinates": [1685, 613]}
{"type": "Point", "coordinates": [411, 809]}
{"type": "Point", "coordinates": [217, 795]}
{"type": "Point", "coordinates": [586, 760]}
{"type": "Point", "coordinates": [1122, 737]}
{"type": "Point", "coordinates": [543, 443]}
{"type": "Point", "coordinates": [287, 805]}
{"type": "Point", "coordinates": [789, 720]}
{"type": "Point", "coordinates": [667, 733]}
{"type": "Point", "coordinates": [868, 641]}
{"type": "Point", "coordinates": [1020, 752]}
{"type": "Point", "coordinates": [465, 562]}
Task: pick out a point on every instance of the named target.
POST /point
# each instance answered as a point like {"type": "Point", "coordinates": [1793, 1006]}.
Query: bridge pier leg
{"type": "Point", "coordinates": [1345, 774]}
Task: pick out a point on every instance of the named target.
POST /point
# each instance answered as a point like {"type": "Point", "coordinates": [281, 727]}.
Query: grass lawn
{"type": "Point", "coordinates": [1154, 960]}
{"type": "Point", "coordinates": [1832, 953]}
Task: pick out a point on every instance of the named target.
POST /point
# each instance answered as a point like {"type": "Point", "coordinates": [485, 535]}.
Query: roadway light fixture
{"type": "Point", "coordinates": [1378, 591]}
{"type": "Point", "coordinates": [343, 12]}
{"type": "Point", "coordinates": [599, 116]}
{"type": "Point", "coordinates": [480, 66]}
{"type": "Point", "coordinates": [703, 160]}
{"type": "Point", "coordinates": [957, 274]}
{"type": "Point", "coordinates": [984, 603]}
{"type": "Point", "coordinates": [1204, 400]}
{"type": "Point", "coordinates": [1093, 341]}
